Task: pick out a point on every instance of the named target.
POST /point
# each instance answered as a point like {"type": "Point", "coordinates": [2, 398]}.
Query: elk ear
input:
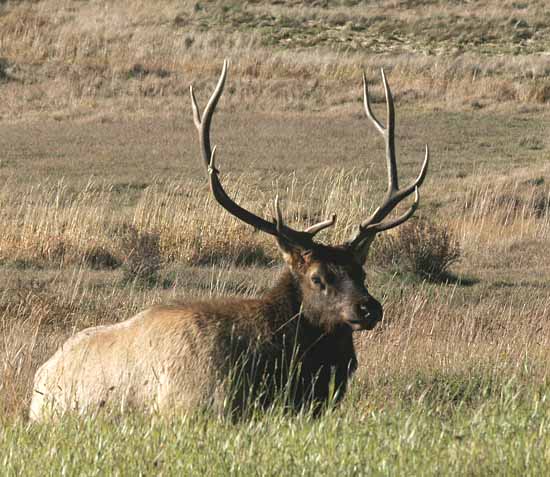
{"type": "Point", "coordinates": [295, 256]}
{"type": "Point", "coordinates": [361, 250]}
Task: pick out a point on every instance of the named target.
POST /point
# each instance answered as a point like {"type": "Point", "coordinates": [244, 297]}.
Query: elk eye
{"type": "Point", "coordinates": [316, 279]}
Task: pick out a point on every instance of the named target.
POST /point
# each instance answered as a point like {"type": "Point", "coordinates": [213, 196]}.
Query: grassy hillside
{"type": "Point", "coordinates": [103, 59]}
{"type": "Point", "coordinates": [104, 210]}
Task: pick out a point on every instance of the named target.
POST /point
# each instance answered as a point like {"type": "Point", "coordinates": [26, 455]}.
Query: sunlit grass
{"type": "Point", "coordinates": [503, 433]}
{"type": "Point", "coordinates": [126, 58]}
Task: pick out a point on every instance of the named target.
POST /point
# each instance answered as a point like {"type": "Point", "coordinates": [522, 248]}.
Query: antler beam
{"type": "Point", "coordinates": [277, 227]}
{"type": "Point", "coordinates": [374, 224]}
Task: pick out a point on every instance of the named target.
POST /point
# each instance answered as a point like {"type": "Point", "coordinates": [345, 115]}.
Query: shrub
{"type": "Point", "coordinates": [100, 258]}
{"type": "Point", "coordinates": [541, 203]}
{"type": "Point", "coordinates": [420, 247]}
{"type": "Point", "coordinates": [141, 259]}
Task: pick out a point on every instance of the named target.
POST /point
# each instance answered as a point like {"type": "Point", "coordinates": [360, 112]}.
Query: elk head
{"type": "Point", "coordinates": [331, 279]}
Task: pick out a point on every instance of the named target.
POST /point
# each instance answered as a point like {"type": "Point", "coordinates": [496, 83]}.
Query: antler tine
{"type": "Point", "coordinates": [279, 222]}
{"type": "Point", "coordinates": [373, 225]}
{"type": "Point", "coordinates": [363, 240]}
{"type": "Point", "coordinates": [381, 226]}
{"type": "Point", "coordinates": [204, 126]}
{"type": "Point", "coordinates": [314, 229]}
{"type": "Point", "coordinates": [398, 195]}
{"type": "Point", "coordinates": [311, 231]}
{"type": "Point", "coordinates": [389, 136]}
{"type": "Point", "coordinates": [277, 228]}
{"type": "Point", "coordinates": [368, 109]}
{"type": "Point", "coordinates": [196, 113]}
{"type": "Point", "coordinates": [388, 131]}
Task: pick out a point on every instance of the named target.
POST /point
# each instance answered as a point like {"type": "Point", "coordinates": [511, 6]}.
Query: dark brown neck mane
{"type": "Point", "coordinates": [284, 300]}
{"type": "Point", "coordinates": [275, 346]}
{"type": "Point", "coordinates": [322, 356]}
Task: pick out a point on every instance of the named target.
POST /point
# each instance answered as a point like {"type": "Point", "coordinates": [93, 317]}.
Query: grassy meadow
{"type": "Point", "coordinates": [105, 210]}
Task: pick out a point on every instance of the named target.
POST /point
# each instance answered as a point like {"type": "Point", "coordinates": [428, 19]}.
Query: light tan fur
{"type": "Point", "coordinates": [154, 360]}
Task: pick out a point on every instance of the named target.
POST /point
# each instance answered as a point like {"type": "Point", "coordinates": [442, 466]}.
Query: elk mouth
{"type": "Point", "coordinates": [360, 324]}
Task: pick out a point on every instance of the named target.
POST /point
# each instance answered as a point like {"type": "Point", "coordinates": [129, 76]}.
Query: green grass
{"type": "Point", "coordinates": [507, 433]}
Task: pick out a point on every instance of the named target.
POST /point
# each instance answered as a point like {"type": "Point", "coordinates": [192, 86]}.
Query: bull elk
{"type": "Point", "coordinates": [227, 353]}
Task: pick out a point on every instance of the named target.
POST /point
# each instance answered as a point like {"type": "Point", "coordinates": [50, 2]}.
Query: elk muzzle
{"type": "Point", "coordinates": [364, 315]}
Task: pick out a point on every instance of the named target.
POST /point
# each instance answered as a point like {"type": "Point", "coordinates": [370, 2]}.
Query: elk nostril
{"type": "Point", "coordinates": [364, 310]}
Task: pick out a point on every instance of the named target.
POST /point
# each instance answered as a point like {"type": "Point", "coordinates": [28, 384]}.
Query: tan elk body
{"type": "Point", "coordinates": [230, 354]}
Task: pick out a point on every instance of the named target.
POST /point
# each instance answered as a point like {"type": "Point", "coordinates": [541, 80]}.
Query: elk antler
{"type": "Point", "coordinates": [374, 224]}
{"type": "Point", "coordinates": [277, 228]}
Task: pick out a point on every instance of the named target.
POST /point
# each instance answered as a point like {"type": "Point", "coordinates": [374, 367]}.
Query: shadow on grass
{"type": "Point", "coordinates": [247, 256]}
{"type": "Point", "coordinates": [446, 278]}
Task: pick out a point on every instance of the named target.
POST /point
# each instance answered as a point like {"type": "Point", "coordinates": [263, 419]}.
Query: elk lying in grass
{"type": "Point", "coordinates": [296, 340]}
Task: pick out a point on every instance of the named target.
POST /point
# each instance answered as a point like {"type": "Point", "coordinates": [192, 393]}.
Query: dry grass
{"type": "Point", "coordinates": [52, 289]}
{"type": "Point", "coordinates": [125, 58]}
